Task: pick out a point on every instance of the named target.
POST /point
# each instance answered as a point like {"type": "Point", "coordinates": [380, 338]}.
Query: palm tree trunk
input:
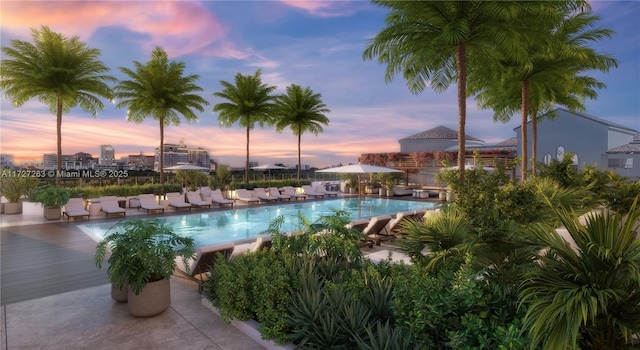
{"type": "Point", "coordinates": [299, 157]}
{"type": "Point", "coordinates": [59, 140]}
{"type": "Point", "coordinates": [246, 165]}
{"type": "Point", "coordinates": [534, 141]}
{"type": "Point", "coordinates": [162, 150]}
{"type": "Point", "coordinates": [461, 62]}
{"type": "Point", "coordinates": [523, 131]}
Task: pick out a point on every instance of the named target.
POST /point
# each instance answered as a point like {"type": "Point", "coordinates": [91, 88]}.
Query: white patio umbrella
{"type": "Point", "coordinates": [359, 169]}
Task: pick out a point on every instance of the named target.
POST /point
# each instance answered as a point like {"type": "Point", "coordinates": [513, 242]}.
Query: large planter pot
{"type": "Point", "coordinates": [390, 192]}
{"type": "Point", "coordinates": [12, 208]}
{"type": "Point", "coordinates": [32, 208]}
{"type": "Point", "coordinates": [154, 299]}
{"type": "Point", "coordinates": [120, 295]}
{"type": "Point", "coordinates": [52, 213]}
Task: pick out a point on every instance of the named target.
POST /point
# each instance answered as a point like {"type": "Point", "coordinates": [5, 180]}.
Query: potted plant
{"type": "Point", "coordinates": [12, 188]}
{"type": "Point", "coordinates": [143, 259]}
{"type": "Point", "coordinates": [53, 198]}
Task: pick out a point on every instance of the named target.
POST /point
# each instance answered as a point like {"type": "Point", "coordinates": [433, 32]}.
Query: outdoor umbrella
{"type": "Point", "coordinates": [359, 169]}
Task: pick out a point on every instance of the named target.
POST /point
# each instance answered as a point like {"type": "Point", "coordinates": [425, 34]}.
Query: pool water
{"type": "Point", "coordinates": [247, 223]}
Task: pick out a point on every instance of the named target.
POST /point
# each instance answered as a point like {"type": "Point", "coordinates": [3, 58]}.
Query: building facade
{"type": "Point", "coordinates": [176, 154]}
{"type": "Point", "coordinates": [107, 155]}
{"type": "Point", "coordinates": [439, 138]}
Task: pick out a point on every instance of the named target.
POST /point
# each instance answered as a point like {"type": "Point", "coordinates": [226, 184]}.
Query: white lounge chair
{"type": "Point", "coordinates": [360, 225]}
{"type": "Point", "coordinates": [262, 242]}
{"type": "Point", "coordinates": [376, 229]}
{"type": "Point", "coordinates": [274, 192]}
{"type": "Point", "coordinates": [148, 203]}
{"type": "Point", "coordinates": [176, 201]}
{"type": "Point", "coordinates": [244, 196]}
{"type": "Point", "coordinates": [324, 191]}
{"type": "Point", "coordinates": [75, 209]}
{"type": "Point", "coordinates": [196, 200]}
{"type": "Point", "coordinates": [216, 197]}
{"type": "Point", "coordinates": [290, 191]}
{"type": "Point", "coordinates": [262, 195]}
{"type": "Point", "coordinates": [109, 205]}
{"type": "Point", "coordinates": [204, 259]}
{"type": "Point", "coordinates": [308, 190]}
{"type": "Point", "coordinates": [395, 224]}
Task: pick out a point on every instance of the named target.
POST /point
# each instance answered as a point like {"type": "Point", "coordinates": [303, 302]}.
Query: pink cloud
{"type": "Point", "coordinates": [323, 8]}
{"type": "Point", "coordinates": [181, 27]}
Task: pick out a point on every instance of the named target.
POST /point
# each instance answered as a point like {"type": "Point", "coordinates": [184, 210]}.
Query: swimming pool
{"type": "Point", "coordinates": [242, 224]}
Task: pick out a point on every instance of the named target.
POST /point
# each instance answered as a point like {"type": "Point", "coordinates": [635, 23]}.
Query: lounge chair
{"type": "Point", "coordinates": [216, 197]}
{"type": "Point", "coordinates": [274, 192]}
{"type": "Point", "coordinates": [262, 195]}
{"type": "Point", "coordinates": [291, 192]}
{"type": "Point", "coordinates": [109, 205]}
{"type": "Point", "coordinates": [244, 196]}
{"type": "Point", "coordinates": [308, 190]}
{"type": "Point", "coordinates": [390, 255]}
{"type": "Point", "coordinates": [262, 242]}
{"type": "Point", "coordinates": [176, 201]}
{"type": "Point", "coordinates": [324, 191]}
{"type": "Point", "coordinates": [205, 191]}
{"type": "Point", "coordinates": [75, 209]}
{"type": "Point", "coordinates": [395, 225]}
{"type": "Point", "coordinates": [376, 229]}
{"type": "Point", "coordinates": [148, 203]}
{"type": "Point", "coordinates": [205, 258]}
{"type": "Point", "coordinates": [360, 225]}
{"type": "Point", "coordinates": [197, 201]}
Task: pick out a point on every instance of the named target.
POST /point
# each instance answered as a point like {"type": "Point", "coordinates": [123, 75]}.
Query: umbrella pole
{"type": "Point", "coordinates": [359, 202]}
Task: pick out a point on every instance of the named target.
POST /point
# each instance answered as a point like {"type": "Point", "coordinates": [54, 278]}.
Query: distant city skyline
{"type": "Point", "coordinates": [310, 43]}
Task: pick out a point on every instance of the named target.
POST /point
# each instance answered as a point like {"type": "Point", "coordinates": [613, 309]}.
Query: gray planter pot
{"type": "Point", "coordinates": [120, 295]}
{"type": "Point", "coordinates": [154, 299]}
{"type": "Point", "coordinates": [52, 213]}
{"type": "Point", "coordinates": [12, 208]}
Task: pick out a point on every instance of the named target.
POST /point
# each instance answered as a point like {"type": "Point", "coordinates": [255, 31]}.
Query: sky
{"type": "Point", "coordinates": [316, 44]}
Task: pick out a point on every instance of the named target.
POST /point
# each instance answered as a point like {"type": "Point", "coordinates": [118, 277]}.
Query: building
{"type": "Point", "coordinates": [625, 160]}
{"type": "Point", "coordinates": [141, 162]}
{"type": "Point", "coordinates": [6, 161]}
{"type": "Point", "coordinates": [437, 139]}
{"type": "Point", "coordinates": [78, 161]}
{"type": "Point", "coordinates": [107, 155]}
{"type": "Point", "coordinates": [176, 154]}
{"type": "Point", "coordinates": [587, 137]}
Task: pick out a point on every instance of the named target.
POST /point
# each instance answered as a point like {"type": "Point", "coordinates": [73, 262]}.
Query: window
{"type": "Point", "coordinates": [613, 163]}
{"type": "Point", "coordinates": [547, 158]}
{"type": "Point", "coordinates": [628, 164]}
{"type": "Point", "coordinates": [560, 153]}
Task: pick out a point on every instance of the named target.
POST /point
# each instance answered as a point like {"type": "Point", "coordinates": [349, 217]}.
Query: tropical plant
{"type": "Point", "coordinates": [160, 90]}
{"type": "Point", "coordinates": [586, 295]}
{"type": "Point", "coordinates": [142, 251]}
{"type": "Point", "coordinates": [301, 110]}
{"type": "Point", "coordinates": [558, 52]}
{"type": "Point", "coordinates": [13, 187]}
{"type": "Point", "coordinates": [61, 72]}
{"type": "Point", "coordinates": [53, 196]}
{"type": "Point", "coordinates": [439, 42]}
{"type": "Point", "coordinates": [249, 101]}
{"type": "Point", "coordinates": [192, 179]}
{"type": "Point", "coordinates": [223, 177]}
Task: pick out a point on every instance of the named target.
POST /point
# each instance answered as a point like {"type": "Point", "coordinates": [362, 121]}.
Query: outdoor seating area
{"type": "Point", "coordinates": [75, 209]}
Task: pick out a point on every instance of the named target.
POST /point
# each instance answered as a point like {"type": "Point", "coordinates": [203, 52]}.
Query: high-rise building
{"type": "Point", "coordinates": [6, 161]}
{"type": "Point", "coordinates": [176, 154]}
{"type": "Point", "coordinates": [76, 161]}
{"type": "Point", "coordinates": [107, 155]}
{"type": "Point", "coordinates": [141, 162]}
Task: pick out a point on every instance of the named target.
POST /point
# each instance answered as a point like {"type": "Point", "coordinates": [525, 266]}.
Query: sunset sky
{"type": "Point", "coordinates": [311, 43]}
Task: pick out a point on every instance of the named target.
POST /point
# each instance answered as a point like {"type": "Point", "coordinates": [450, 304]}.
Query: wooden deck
{"type": "Point", "coordinates": [46, 259]}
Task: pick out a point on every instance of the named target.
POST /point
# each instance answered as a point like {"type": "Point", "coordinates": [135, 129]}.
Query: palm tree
{"type": "Point", "coordinates": [249, 102]}
{"type": "Point", "coordinates": [159, 89]}
{"type": "Point", "coordinates": [558, 53]}
{"type": "Point", "coordinates": [62, 72]}
{"type": "Point", "coordinates": [586, 295]}
{"type": "Point", "coordinates": [434, 42]}
{"type": "Point", "coordinates": [302, 110]}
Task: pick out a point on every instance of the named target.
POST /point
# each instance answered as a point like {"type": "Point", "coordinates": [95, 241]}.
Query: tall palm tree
{"type": "Point", "coordinates": [62, 72]}
{"type": "Point", "coordinates": [249, 101]}
{"type": "Point", "coordinates": [437, 42]}
{"type": "Point", "coordinates": [159, 89]}
{"type": "Point", "coordinates": [558, 52]}
{"type": "Point", "coordinates": [301, 110]}
{"type": "Point", "coordinates": [586, 296]}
